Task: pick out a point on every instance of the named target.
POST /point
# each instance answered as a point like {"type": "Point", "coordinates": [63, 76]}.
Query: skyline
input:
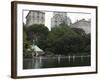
{"type": "Point", "coordinates": [74, 16]}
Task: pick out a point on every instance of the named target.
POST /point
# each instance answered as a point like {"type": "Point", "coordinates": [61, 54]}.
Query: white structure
{"type": "Point", "coordinates": [37, 51]}
{"type": "Point", "coordinates": [83, 24]}
{"type": "Point", "coordinates": [35, 17]}
{"type": "Point", "coordinates": [58, 18]}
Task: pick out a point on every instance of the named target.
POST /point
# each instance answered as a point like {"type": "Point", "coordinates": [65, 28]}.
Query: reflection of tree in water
{"type": "Point", "coordinates": [57, 61]}
{"type": "Point", "coordinates": [33, 49]}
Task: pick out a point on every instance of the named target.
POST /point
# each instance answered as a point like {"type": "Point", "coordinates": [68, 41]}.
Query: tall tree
{"type": "Point", "coordinates": [38, 33]}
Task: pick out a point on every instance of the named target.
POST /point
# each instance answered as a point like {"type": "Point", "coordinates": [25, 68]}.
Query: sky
{"type": "Point", "coordinates": [72, 15]}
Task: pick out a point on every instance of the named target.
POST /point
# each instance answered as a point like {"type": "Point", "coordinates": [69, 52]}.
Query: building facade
{"type": "Point", "coordinates": [83, 24]}
{"type": "Point", "coordinates": [35, 17]}
{"type": "Point", "coordinates": [59, 18]}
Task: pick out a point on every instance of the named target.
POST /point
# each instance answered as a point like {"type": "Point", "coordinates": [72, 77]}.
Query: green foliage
{"type": "Point", "coordinates": [26, 43]}
{"type": "Point", "coordinates": [60, 40]}
{"type": "Point", "coordinates": [38, 33]}
{"type": "Point", "coordinates": [79, 31]}
{"type": "Point", "coordinates": [65, 40]}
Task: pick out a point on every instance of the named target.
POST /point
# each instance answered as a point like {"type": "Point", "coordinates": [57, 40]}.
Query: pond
{"type": "Point", "coordinates": [57, 61]}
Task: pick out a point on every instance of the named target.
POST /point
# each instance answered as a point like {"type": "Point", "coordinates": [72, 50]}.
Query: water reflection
{"type": "Point", "coordinates": [59, 61]}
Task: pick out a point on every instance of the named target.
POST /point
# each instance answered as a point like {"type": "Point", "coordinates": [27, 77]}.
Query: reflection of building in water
{"type": "Point", "coordinates": [83, 24]}
{"type": "Point", "coordinates": [35, 17]}
{"type": "Point", "coordinates": [59, 18]}
{"type": "Point", "coordinates": [37, 62]}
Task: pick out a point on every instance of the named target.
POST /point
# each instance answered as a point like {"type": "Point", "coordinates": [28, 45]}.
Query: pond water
{"type": "Point", "coordinates": [54, 62]}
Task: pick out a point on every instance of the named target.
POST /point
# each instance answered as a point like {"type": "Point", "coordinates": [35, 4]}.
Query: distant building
{"type": "Point", "coordinates": [35, 17]}
{"type": "Point", "coordinates": [59, 18]}
{"type": "Point", "coordinates": [83, 24]}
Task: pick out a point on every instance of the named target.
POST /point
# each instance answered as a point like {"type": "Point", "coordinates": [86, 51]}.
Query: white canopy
{"type": "Point", "coordinates": [36, 48]}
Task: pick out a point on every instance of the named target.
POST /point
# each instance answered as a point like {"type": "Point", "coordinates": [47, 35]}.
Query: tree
{"type": "Point", "coordinates": [65, 40]}
{"type": "Point", "coordinates": [87, 42]}
{"type": "Point", "coordinates": [38, 33]}
{"type": "Point", "coordinates": [79, 31]}
{"type": "Point", "coordinates": [60, 38]}
{"type": "Point", "coordinates": [26, 43]}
